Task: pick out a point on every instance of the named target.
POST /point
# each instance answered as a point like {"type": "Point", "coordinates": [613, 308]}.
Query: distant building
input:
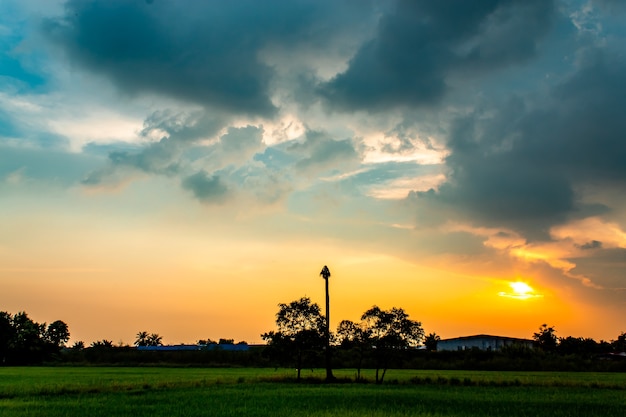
{"type": "Point", "coordinates": [482, 342]}
{"type": "Point", "coordinates": [168, 348]}
{"type": "Point", "coordinates": [240, 347]}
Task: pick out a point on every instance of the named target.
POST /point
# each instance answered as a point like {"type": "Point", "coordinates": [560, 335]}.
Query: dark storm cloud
{"type": "Point", "coordinates": [421, 43]}
{"type": "Point", "coordinates": [611, 5]}
{"type": "Point", "coordinates": [210, 189]}
{"type": "Point", "coordinates": [202, 52]}
{"type": "Point", "coordinates": [520, 165]}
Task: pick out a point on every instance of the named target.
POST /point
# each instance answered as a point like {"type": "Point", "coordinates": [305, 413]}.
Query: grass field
{"type": "Point", "coordinates": [91, 391]}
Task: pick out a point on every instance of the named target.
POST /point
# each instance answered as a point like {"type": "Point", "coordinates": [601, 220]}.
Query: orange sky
{"type": "Point", "coordinates": [188, 281]}
{"type": "Point", "coordinates": [188, 182]}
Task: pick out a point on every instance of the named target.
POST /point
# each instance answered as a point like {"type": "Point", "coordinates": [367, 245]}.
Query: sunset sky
{"type": "Point", "coordinates": [181, 167]}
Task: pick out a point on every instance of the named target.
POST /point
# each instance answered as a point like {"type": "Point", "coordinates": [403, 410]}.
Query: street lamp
{"type": "Point", "coordinates": [329, 372]}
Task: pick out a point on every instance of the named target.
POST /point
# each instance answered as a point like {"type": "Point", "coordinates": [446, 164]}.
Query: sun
{"type": "Point", "coordinates": [521, 291]}
{"type": "Point", "coordinates": [521, 288]}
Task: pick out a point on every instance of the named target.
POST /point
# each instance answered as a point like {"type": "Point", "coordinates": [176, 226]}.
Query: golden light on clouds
{"type": "Point", "coordinates": [520, 291]}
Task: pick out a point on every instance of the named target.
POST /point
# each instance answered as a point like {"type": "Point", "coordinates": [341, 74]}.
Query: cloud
{"type": "Point", "coordinates": [44, 165]}
{"type": "Point", "coordinates": [166, 136]}
{"type": "Point", "coordinates": [419, 44]}
{"type": "Point", "coordinates": [591, 233]}
{"type": "Point", "coordinates": [208, 53]}
{"type": "Point", "coordinates": [320, 153]}
{"type": "Point", "coordinates": [239, 145]}
{"type": "Point", "coordinates": [210, 189]}
{"type": "Point", "coordinates": [523, 165]}
{"type": "Point", "coordinates": [594, 244]}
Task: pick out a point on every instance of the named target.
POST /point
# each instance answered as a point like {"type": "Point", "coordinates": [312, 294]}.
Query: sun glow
{"type": "Point", "coordinates": [520, 291]}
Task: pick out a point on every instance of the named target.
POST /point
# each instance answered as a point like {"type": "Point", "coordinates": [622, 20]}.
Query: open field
{"type": "Point", "coordinates": [91, 391]}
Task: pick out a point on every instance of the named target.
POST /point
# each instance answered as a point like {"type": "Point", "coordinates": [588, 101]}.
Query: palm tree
{"type": "Point", "coordinates": [142, 339]}
{"type": "Point", "coordinates": [154, 340]}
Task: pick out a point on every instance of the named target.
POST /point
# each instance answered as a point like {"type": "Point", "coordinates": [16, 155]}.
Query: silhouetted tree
{"type": "Point", "coordinates": [619, 345]}
{"type": "Point", "coordinates": [391, 331]}
{"type": "Point", "coordinates": [29, 343]}
{"type": "Point", "coordinates": [24, 341]}
{"type": "Point", "coordinates": [142, 339]}
{"type": "Point", "coordinates": [300, 333]}
{"type": "Point", "coordinates": [355, 338]}
{"type": "Point", "coordinates": [148, 339]}
{"type": "Point", "coordinates": [154, 340]}
{"type": "Point", "coordinates": [78, 345]}
{"type": "Point", "coordinates": [545, 339]}
{"type": "Point", "coordinates": [579, 346]}
{"type": "Point", "coordinates": [7, 335]}
{"type": "Point", "coordinates": [226, 342]}
{"type": "Point", "coordinates": [431, 341]}
{"type": "Point", "coordinates": [102, 344]}
{"type": "Point", "coordinates": [57, 334]}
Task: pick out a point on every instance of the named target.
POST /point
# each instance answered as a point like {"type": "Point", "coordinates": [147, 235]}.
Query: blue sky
{"type": "Point", "coordinates": [207, 153]}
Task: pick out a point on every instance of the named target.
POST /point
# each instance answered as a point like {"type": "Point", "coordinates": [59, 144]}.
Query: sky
{"type": "Point", "coordinates": [182, 167]}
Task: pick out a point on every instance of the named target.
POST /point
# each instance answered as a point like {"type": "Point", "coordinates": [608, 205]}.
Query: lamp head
{"type": "Point", "coordinates": [325, 272]}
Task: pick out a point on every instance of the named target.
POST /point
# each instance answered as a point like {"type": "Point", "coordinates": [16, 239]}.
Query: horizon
{"type": "Point", "coordinates": [188, 171]}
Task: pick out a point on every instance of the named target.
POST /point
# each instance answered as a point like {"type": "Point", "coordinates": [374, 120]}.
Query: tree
{"type": "Point", "coordinates": [7, 335]}
{"type": "Point", "coordinates": [78, 345]}
{"type": "Point", "coordinates": [28, 344]}
{"type": "Point", "coordinates": [57, 334]}
{"type": "Point", "coordinates": [431, 341]}
{"type": "Point", "coordinates": [154, 340]}
{"type": "Point", "coordinates": [102, 344]}
{"type": "Point", "coordinates": [585, 347]}
{"type": "Point", "coordinates": [545, 339]}
{"type": "Point", "coordinates": [142, 339]}
{"type": "Point", "coordinates": [300, 335]}
{"type": "Point", "coordinates": [24, 341]}
{"type": "Point", "coordinates": [355, 338]}
{"type": "Point", "coordinates": [391, 332]}
{"type": "Point", "coordinates": [619, 345]}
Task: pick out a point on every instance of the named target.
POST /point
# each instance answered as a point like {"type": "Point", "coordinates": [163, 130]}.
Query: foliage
{"type": "Point", "coordinates": [300, 336]}
{"type": "Point", "coordinates": [390, 332]}
{"type": "Point", "coordinates": [57, 333]}
{"type": "Point", "coordinates": [102, 344]}
{"type": "Point", "coordinates": [24, 341]}
{"type": "Point", "coordinates": [583, 347]}
{"type": "Point", "coordinates": [431, 341]}
{"type": "Point", "coordinates": [148, 339]}
{"type": "Point", "coordinates": [619, 345]}
{"type": "Point", "coordinates": [78, 345]}
{"type": "Point", "coordinates": [356, 339]}
{"type": "Point", "coordinates": [545, 339]}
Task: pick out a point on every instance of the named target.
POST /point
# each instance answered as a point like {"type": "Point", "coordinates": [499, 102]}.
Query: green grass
{"type": "Point", "coordinates": [91, 391]}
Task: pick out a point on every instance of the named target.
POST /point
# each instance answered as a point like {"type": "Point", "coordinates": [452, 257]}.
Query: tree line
{"type": "Point", "coordinates": [24, 341]}
{"type": "Point", "coordinates": [389, 338]}
{"type": "Point", "coordinates": [381, 340]}
{"type": "Point", "coordinates": [547, 341]}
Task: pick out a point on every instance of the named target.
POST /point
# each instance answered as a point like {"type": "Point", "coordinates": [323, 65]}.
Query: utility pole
{"type": "Point", "coordinates": [329, 371]}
